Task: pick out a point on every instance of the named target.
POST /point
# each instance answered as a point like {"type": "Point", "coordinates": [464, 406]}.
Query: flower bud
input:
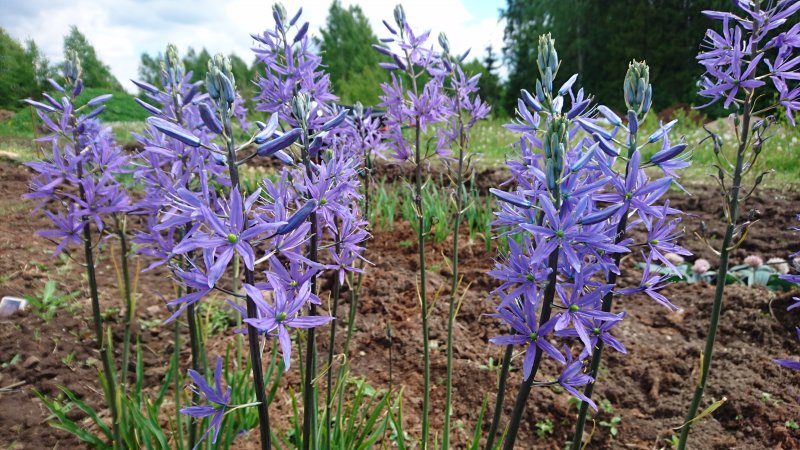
{"type": "Point", "coordinates": [637, 89]}
{"type": "Point", "coordinates": [301, 33]}
{"type": "Point", "coordinates": [209, 118]}
{"type": "Point", "coordinates": [547, 57]}
{"type": "Point", "coordinates": [296, 17]}
{"type": "Point", "coordinates": [444, 43]}
{"type": "Point", "coordinates": [72, 66]}
{"type": "Point", "coordinates": [279, 14]}
{"type": "Point", "coordinates": [554, 145]}
{"type": "Point", "coordinates": [173, 65]}
{"type": "Point", "coordinates": [400, 16]}
{"type": "Point", "coordinates": [510, 198]}
{"type": "Point", "coordinates": [174, 131]}
{"type": "Point", "coordinates": [298, 218]}
{"type": "Point", "coordinates": [301, 106]}
{"type": "Point", "coordinates": [279, 143]}
{"type": "Point", "coordinates": [148, 107]}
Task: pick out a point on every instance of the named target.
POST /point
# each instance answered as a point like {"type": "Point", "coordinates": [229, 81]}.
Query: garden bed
{"type": "Point", "coordinates": [649, 389]}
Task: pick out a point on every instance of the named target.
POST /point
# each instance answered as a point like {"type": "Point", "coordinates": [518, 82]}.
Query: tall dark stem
{"type": "Point", "coordinates": [426, 352]}
{"type": "Point", "coordinates": [331, 345]}
{"type": "Point", "coordinates": [608, 300]}
{"type": "Point", "coordinates": [310, 399]}
{"type": "Point", "coordinates": [111, 375]}
{"type": "Point", "coordinates": [130, 302]}
{"type": "Point", "coordinates": [195, 345]}
{"type": "Point", "coordinates": [722, 273]}
{"type": "Point", "coordinates": [252, 310]}
{"type": "Point", "coordinates": [451, 315]}
{"type": "Point", "coordinates": [501, 395]}
{"type": "Point", "coordinates": [525, 388]}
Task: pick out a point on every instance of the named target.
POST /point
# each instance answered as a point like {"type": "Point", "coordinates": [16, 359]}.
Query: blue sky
{"type": "Point", "coordinates": [121, 30]}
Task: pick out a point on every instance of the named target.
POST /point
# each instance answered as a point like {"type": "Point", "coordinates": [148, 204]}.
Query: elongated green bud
{"type": "Point", "coordinates": [547, 59]}
{"type": "Point", "coordinates": [72, 66]}
{"type": "Point", "coordinates": [637, 89]}
{"type": "Point", "coordinates": [173, 65]}
{"type": "Point", "coordinates": [555, 144]}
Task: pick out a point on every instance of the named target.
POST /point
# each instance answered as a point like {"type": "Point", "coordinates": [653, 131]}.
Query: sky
{"type": "Point", "coordinates": [121, 30]}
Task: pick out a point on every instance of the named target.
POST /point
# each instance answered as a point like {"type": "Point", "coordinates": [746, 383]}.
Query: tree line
{"type": "Point", "coordinates": [596, 39]}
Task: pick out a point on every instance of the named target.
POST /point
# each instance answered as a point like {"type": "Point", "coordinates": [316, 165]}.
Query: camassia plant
{"type": "Point", "coordinates": [77, 189]}
{"type": "Point", "coordinates": [580, 188]}
{"type": "Point", "coordinates": [746, 66]}
{"type": "Point", "coordinates": [415, 98]}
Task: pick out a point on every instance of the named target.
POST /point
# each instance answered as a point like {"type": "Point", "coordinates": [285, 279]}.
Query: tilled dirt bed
{"type": "Point", "coordinates": [649, 388]}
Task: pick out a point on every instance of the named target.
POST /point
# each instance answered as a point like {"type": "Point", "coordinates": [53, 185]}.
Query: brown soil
{"type": "Point", "coordinates": [649, 388]}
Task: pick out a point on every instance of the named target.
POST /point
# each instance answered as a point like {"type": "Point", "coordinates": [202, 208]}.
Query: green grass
{"type": "Point", "coordinates": [121, 112]}
{"type": "Point", "coordinates": [780, 153]}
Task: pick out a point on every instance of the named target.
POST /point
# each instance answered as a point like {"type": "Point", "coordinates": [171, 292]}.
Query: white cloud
{"type": "Point", "coordinates": [120, 30]}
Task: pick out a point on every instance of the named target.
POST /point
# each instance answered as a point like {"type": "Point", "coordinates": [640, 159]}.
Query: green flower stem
{"type": "Point", "coordinates": [331, 345]}
{"type": "Point", "coordinates": [309, 392]}
{"type": "Point", "coordinates": [423, 298]}
{"type": "Point", "coordinates": [451, 315]}
{"type": "Point", "coordinates": [130, 301]}
{"type": "Point", "coordinates": [111, 375]}
{"type": "Point", "coordinates": [501, 394]}
{"type": "Point", "coordinates": [722, 273]}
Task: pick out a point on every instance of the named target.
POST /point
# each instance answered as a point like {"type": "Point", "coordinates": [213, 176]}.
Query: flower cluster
{"type": "Point", "coordinates": [732, 58]}
{"type": "Point", "coordinates": [77, 183]}
{"type": "Point", "coordinates": [580, 190]}
{"type": "Point", "coordinates": [171, 166]}
{"type": "Point", "coordinates": [408, 102]}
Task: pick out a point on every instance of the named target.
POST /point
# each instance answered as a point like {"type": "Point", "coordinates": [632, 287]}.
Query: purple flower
{"type": "Point", "coordinates": [227, 235]}
{"type": "Point", "coordinates": [218, 401]}
{"type": "Point", "coordinates": [528, 333]}
{"type": "Point", "coordinates": [275, 319]}
{"type": "Point", "coordinates": [572, 377]}
{"type": "Point", "coordinates": [581, 310]}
